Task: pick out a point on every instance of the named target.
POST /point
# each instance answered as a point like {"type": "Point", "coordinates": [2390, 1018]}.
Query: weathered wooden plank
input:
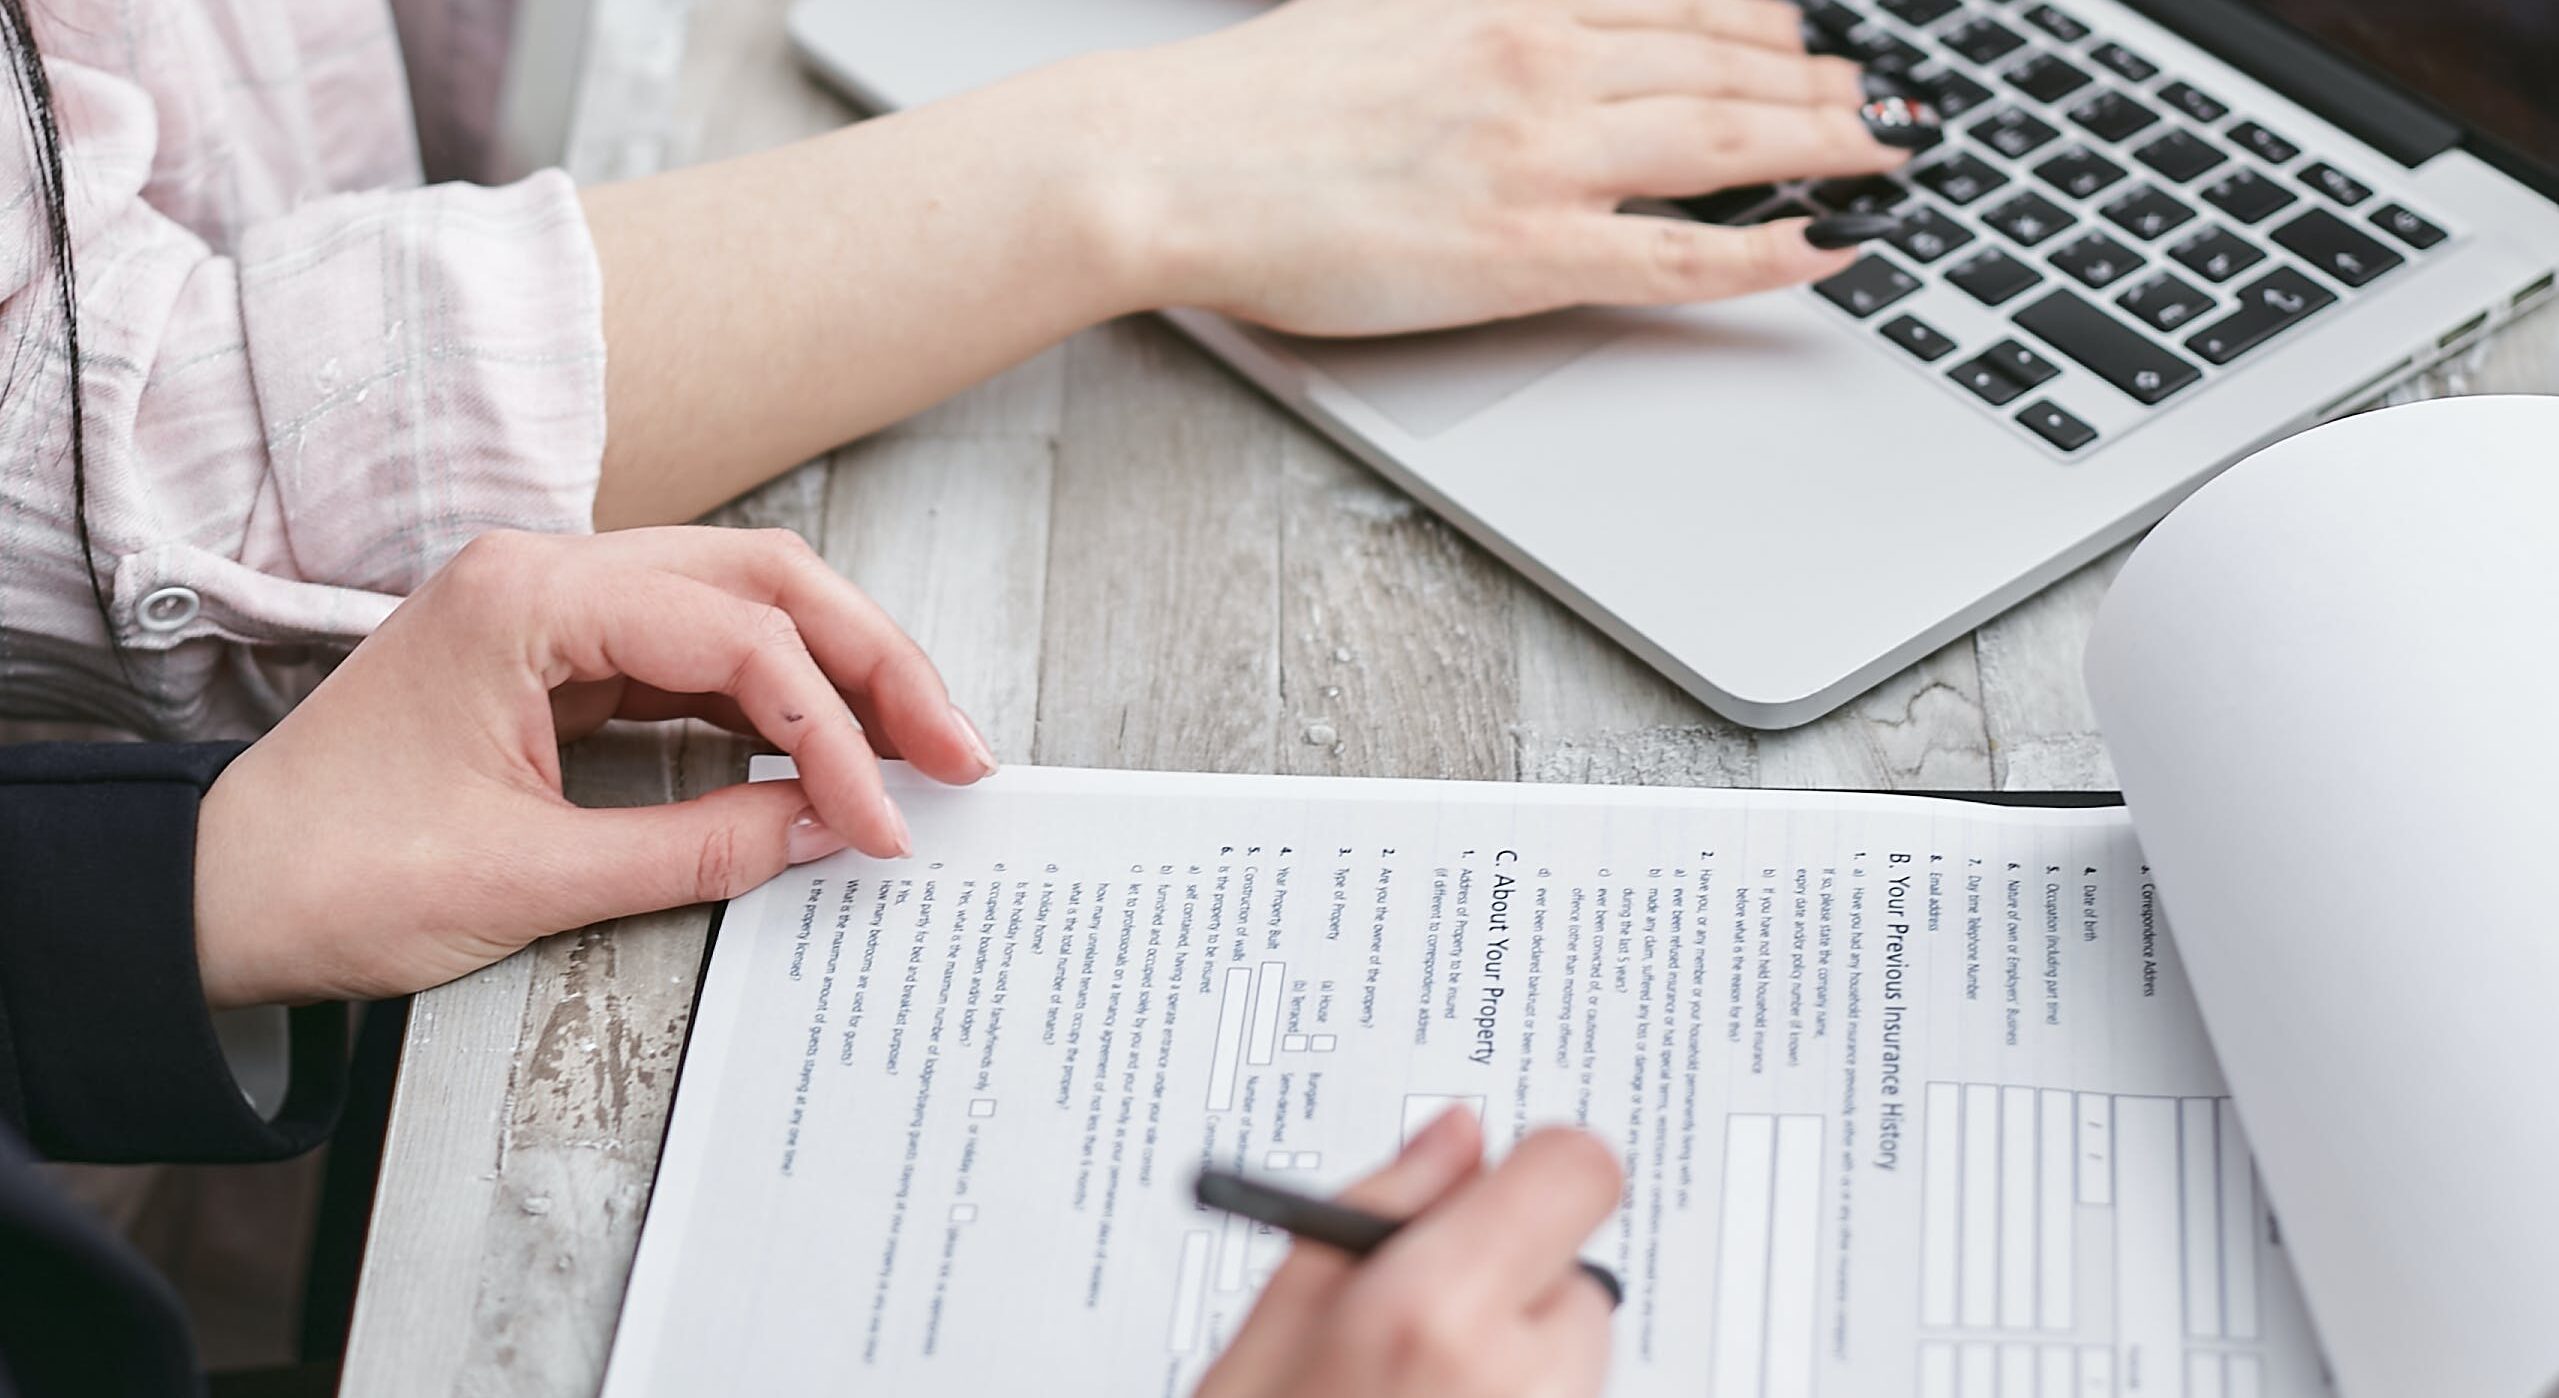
{"type": "Point", "coordinates": [441, 1155]}
{"type": "Point", "coordinates": [1395, 631]}
{"type": "Point", "coordinates": [532, 1100]}
{"type": "Point", "coordinates": [605, 1013]}
{"type": "Point", "coordinates": [2043, 735]}
{"type": "Point", "coordinates": [1591, 712]}
{"type": "Point", "coordinates": [1921, 730]}
{"type": "Point", "coordinates": [795, 500]}
{"type": "Point", "coordinates": [1160, 643]}
{"type": "Point", "coordinates": [951, 535]}
{"type": "Point", "coordinates": [1027, 399]}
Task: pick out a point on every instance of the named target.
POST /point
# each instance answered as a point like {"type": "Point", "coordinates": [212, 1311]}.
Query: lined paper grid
{"type": "Point", "coordinates": [2010, 1175]}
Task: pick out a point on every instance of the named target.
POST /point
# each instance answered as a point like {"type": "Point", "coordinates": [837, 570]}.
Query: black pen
{"type": "Point", "coordinates": [1323, 1221]}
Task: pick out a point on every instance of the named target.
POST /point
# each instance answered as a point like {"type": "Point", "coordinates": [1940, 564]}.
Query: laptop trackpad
{"type": "Point", "coordinates": [1429, 383]}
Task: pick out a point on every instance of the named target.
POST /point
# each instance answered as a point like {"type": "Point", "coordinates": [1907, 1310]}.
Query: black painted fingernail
{"type": "Point", "coordinates": [1848, 230]}
{"type": "Point", "coordinates": [1902, 123]}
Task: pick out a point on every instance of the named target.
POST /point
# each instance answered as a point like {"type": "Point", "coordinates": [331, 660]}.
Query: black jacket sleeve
{"type": "Point", "coordinates": [107, 1052]}
{"type": "Point", "coordinates": [80, 1312]}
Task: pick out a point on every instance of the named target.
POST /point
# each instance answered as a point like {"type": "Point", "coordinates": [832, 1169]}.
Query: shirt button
{"type": "Point", "coordinates": [170, 608]}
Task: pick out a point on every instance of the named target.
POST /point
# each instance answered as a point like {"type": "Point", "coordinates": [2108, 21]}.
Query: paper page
{"type": "Point", "coordinates": [2327, 682]}
{"type": "Point", "coordinates": [1912, 1095]}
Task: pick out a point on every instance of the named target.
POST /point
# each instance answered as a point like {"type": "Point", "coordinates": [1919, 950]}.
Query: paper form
{"type": "Point", "coordinates": [1911, 1095]}
{"type": "Point", "coordinates": [2325, 681]}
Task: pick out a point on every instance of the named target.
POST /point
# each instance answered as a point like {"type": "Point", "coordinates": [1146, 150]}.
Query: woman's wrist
{"type": "Point", "coordinates": [1097, 189]}
{"type": "Point", "coordinates": [225, 912]}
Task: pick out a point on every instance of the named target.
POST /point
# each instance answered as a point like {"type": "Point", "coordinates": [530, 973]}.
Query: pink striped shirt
{"type": "Point", "coordinates": [308, 380]}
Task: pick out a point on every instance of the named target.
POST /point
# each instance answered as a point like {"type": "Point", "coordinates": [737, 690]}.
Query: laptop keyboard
{"type": "Point", "coordinates": [2111, 215]}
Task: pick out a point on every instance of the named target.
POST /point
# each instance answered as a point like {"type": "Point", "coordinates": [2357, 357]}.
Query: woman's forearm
{"type": "Point", "coordinates": [761, 310]}
{"type": "Point", "coordinates": [1331, 167]}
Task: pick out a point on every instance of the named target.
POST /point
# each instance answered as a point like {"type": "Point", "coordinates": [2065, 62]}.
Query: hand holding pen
{"type": "Point", "coordinates": [1481, 1293]}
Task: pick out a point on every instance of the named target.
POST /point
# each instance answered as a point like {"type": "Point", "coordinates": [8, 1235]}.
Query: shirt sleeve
{"type": "Point", "coordinates": [281, 442]}
{"type": "Point", "coordinates": [107, 1051]}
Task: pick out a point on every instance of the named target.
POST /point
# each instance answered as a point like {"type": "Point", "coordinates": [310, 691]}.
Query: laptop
{"type": "Point", "coordinates": [2160, 234]}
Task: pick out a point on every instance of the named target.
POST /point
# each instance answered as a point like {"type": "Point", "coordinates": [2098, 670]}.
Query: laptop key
{"type": "Point", "coordinates": [1983, 40]}
{"type": "Point", "coordinates": [1920, 338]}
{"type": "Point", "coordinates": [2047, 78]}
{"type": "Point", "coordinates": [1919, 14]}
{"type": "Point", "coordinates": [2029, 219]}
{"type": "Point", "coordinates": [2336, 184]}
{"type": "Point", "coordinates": [2015, 133]}
{"type": "Point", "coordinates": [1961, 178]}
{"type": "Point", "coordinates": [1728, 206]}
{"type": "Point", "coordinates": [2216, 254]}
{"type": "Point", "coordinates": [2147, 213]}
{"type": "Point", "coordinates": [1889, 54]}
{"type": "Point", "coordinates": [1860, 194]}
{"type": "Point", "coordinates": [2407, 227]}
{"type": "Point", "coordinates": [2272, 304]}
{"type": "Point", "coordinates": [2079, 172]}
{"type": "Point", "coordinates": [2337, 247]}
{"type": "Point", "coordinates": [1952, 92]}
{"type": "Point", "coordinates": [1868, 287]}
{"type": "Point", "coordinates": [2020, 364]}
{"type": "Point", "coordinates": [2255, 139]}
{"type": "Point", "coordinates": [2124, 63]}
{"type": "Point", "coordinates": [1927, 235]}
{"type": "Point", "coordinates": [2248, 196]}
{"type": "Point", "coordinates": [2057, 24]}
{"type": "Point", "coordinates": [2180, 155]}
{"type": "Point", "coordinates": [1986, 382]}
{"type": "Point", "coordinates": [2047, 419]}
{"type": "Point", "coordinates": [2165, 302]}
{"type": "Point", "coordinates": [1994, 278]}
{"type": "Point", "coordinates": [1830, 23]}
{"type": "Point", "coordinates": [2142, 368]}
{"type": "Point", "coordinates": [2198, 106]}
{"type": "Point", "coordinates": [2097, 260]}
{"type": "Point", "coordinates": [2114, 116]}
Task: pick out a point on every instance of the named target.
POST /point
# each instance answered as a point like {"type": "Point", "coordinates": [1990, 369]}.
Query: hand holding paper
{"type": "Point", "coordinates": [405, 824]}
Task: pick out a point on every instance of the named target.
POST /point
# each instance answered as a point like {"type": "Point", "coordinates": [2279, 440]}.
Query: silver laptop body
{"type": "Point", "coordinates": [1780, 501]}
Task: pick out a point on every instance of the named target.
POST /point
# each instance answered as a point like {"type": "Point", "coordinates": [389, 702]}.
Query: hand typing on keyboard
{"type": "Point", "coordinates": [2099, 239]}
{"type": "Point", "coordinates": [1369, 166]}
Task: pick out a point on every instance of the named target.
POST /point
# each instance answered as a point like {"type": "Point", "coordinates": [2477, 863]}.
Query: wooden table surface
{"type": "Point", "coordinates": [1121, 557]}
